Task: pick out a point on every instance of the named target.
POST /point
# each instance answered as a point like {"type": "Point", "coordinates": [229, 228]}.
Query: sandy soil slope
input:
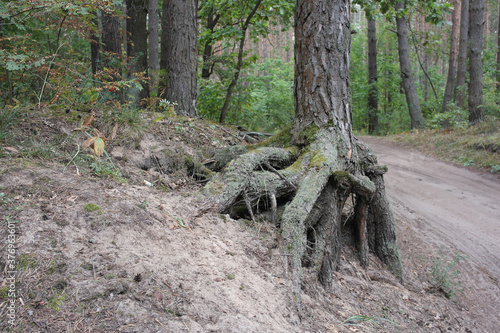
{"type": "Point", "coordinates": [450, 207]}
{"type": "Point", "coordinates": [146, 260]}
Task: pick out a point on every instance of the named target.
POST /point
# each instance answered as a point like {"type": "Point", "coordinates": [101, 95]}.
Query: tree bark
{"type": "Point", "coordinates": [111, 39]}
{"type": "Point", "coordinates": [111, 56]}
{"type": "Point", "coordinates": [321, 83]}
{"type": "Point", "coordinates": [476, 114]}
{"type": "Point", "coordinates": [372, 75]}
{"type": "Point", "coordinates": [452, 61]}
{"type": "Point", "coordinates": [179, 54]}
{"type": "Point", "coordinates": [460, 89]}
{"type": "Point", "coordinates": [408, 82]}
{"type": "Point", "coordinates": [153, 47]}
{"type": "Point", "coordinates": [137, 46]}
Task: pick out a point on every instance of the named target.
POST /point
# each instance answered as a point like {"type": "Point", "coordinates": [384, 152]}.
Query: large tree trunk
{"type": "Point", "coordinates": [312, 167]}
{"type": "Point", "coordinates": [137, 46]}
{"type": "Point", "coordinates": [476, 114]}
{"type": "Point", "coordinates": [417, 121]}
{"type": "Point", "coordinates": [372, 75]}
{"type": "Point", "coordinates": [452, 61]}
{"type": "Point", "coordinates": [179, 54]}
{"type": "Point", "coordinates": [460, 89]}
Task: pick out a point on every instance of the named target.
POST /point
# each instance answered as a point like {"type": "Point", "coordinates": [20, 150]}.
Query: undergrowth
{"type": "Point", "coordinates": [477, 146]}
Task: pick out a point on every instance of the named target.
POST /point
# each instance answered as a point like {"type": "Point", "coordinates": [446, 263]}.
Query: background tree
{"type": "Point", "coordinates": [179, 54]}
{"type": "Point", "coordinates": [137, 46]}
{"type": "Point", "coordinates": [460, 90]}
{"type": "Point", "coordinates": [475, 63]}
{"type": "Point", "coordinates": [111, 38]}
{"type": "Point", "coordinates": [153, 46]}
{"type": "Point", "coordinates": [408, 81]}
{"type": "Point", "coordinates": [372, 73]}
{"type": "Point", "coordinates": [210, 14]}
{"type": "Point", "coordinates": [95, 44]}
{"type": "Point", "coordinates": [498, 52]}
{"type": "Point", "coordinates": [452, 61]}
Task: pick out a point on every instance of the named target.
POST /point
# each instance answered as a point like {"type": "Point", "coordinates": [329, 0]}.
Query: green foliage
{"type": "Point", "coordinates": [272, 91]}
{"type": "Point", "coordinates": [456, 117]}
{"type": "Point", "coordinates": [56, 301]}
{"type": "Point", "coordinates": [263, 99]}
{"type": "Point", "coordinates": [359, 80]}
{"type": "Point", "coordinates": [26, 260]}
{"type": "Point", "coordinates": [90, 207]}
{"type": "Point", "coordinates": [45, 53]}
{"type": "Point", "coordinates": [445, 274]}
{"type": "Point", "coordinates": [106, 169]}
{"type": "Point", "coordinates": [392, 113]}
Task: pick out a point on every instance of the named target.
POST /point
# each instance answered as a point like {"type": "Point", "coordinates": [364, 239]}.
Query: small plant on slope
{"type": "Point", "coordinates": [445, 274]}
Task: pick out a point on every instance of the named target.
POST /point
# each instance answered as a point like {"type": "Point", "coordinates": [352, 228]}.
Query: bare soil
{"type": "Point", "coordinates": [146, 258]}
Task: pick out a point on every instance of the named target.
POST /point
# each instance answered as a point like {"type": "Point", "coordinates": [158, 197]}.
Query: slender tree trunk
{"type": "Point", "coordinates": [179, 54]}
{"type": "Point", "coordinates": [475, 64]}
{"type": "Point", "coordinates": [212, 21]}
{"type": "Point", "coordinates": [372, 76]}
{"type": "Point", "coordinates": [94, 46]}
{"type": "Point", "coordinates": [452, 62]}
{"type": "Point", "coordinates": [460, 91]}
{"type": "Point", "coordinates": [137, 46]}
{"type": "Point", "coordinates": [153, 48]}
{"type": "Point", "coordinates": [236, 76]}
{"type": "Point", "coordinates": [408, 82]}
{"type": "Point", "coordinates": [425, 69]}
{"type": "Point", "coordinates": [498, 51]}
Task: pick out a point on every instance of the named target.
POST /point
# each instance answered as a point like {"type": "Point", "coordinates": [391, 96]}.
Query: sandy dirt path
{"type": "Point", "coordinates": [452, 207]}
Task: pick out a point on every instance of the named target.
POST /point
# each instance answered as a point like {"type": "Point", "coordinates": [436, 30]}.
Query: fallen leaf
{"type": "Point", "coordinates": [12, 150]}
{"type": "Point", "coordinates": [89, 120]}
{"type": "Point", "coordinates": [113, 133]}
{"type": "Point", "coordinates": [87, 143]}
{"type": "Point", "coordinates": [98, 146]}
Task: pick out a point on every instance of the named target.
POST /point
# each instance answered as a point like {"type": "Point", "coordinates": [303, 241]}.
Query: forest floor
{"type": "Point", "coordinates": [132, 251]}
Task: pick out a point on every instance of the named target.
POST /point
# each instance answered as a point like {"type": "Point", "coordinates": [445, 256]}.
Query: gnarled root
{"type": "Point", "coordinates": [316, 185]}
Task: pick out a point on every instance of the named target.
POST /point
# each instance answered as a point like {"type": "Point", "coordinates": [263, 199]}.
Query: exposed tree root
{"type": "Point", "coordinates": [313, 184]}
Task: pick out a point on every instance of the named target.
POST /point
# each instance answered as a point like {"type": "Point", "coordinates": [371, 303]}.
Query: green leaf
{"type": "Point", "coordinates": [12, 66]}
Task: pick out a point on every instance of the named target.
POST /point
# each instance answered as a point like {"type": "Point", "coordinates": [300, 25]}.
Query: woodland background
{"type": "Point", "coordinates": [118, 53]}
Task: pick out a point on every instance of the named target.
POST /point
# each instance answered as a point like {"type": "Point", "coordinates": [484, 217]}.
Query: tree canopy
{"type": "Point", "coordinates": [52, 51]}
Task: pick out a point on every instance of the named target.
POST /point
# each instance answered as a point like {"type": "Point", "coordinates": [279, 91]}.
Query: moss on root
{"type": "Point", "coordinates": [315, 172]}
